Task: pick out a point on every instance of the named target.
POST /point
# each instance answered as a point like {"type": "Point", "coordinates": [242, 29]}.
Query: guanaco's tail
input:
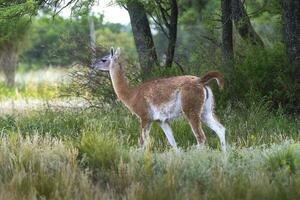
{"type": "Point", "coordinates": [213, 75]}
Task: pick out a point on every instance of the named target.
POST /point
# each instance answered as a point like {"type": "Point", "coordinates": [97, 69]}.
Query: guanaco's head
{"type": "Point", "coordinates": [107, 62]}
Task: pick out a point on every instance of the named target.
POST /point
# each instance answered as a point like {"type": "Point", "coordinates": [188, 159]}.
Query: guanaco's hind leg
{"type": "Point", "coordinates": [191, 107]}
{"type": "Point", "coordinates": [197, 129]}
{"type": "Point", "coordinates": [208, 117]}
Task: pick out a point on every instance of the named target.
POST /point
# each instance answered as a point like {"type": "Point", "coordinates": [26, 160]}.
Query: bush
{"type": "Point", "coordinates": [95, 86]}
{"type": "Point", "coordinates": [99, 151]}
{"type": "Point", "coordinates": [262, 74]}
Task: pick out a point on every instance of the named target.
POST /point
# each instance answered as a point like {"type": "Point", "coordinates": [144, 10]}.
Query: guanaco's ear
{"type": "Point", "coordinates": [111, 52]}
{"type": "Point", "coordinates": [117, 52]}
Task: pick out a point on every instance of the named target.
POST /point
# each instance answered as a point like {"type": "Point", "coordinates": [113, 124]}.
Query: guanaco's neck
{"type": "Point", "coordinates": [120, 83]}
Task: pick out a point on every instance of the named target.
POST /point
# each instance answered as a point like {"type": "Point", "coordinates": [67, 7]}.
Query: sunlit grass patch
{"type": "Point", "coordinates": [41, 84]}
{"type": "Point", "coordinates": [33, 91]}
{"type": "Point", "coordinates": [44, 152]}
{"type": "Point", "coordinates": [38, 167]}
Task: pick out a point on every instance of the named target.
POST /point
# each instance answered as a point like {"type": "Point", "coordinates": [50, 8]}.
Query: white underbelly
{"type": "Point", "coordinates": [167, 111]}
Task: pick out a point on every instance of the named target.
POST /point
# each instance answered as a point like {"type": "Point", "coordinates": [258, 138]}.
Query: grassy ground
{"type": "Point", "coordinates": [93, 154]}
{"type": "Point", "coordinates": [40, 84]}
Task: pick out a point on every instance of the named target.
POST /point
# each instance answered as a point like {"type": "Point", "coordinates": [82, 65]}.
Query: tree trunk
{"type": "Point", "coordinates": [172, 33]}
{"type": "Point", "coordinates": [243, 24]}
{"type": "Point", "coordinates": [142, 36]}
{"type": "Point", "coordinates": [92, 39]}
{"type": "Point", "coordinates": [291, 18]}
{"type": "Point", "coordinates": [8, 63]}
{"type": "Point", "coordinates": [227, 41]}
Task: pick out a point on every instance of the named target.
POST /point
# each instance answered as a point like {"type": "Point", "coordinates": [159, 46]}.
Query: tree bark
{"type": "Point", "coordinates": [8, 63]}
{"type": "Point", "coordinates": [243, 24]}
{"type": "Point", "coordinates": [172, 33]}
{"type": "Point", "coordinates": [92, 39]}
{"type": "Point", "coordinates": [227, 41]}
{"type": "Point", "coordinates": [142, 36]}
{"type": "Point", "coordinates": [291, 19]}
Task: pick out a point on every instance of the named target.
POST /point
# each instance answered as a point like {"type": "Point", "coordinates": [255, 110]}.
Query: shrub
{"type": "Point", "coordinates": [95, 86]}
{"type": "Point", "coordinates": [99, 151]}
{"type": "Point", "coordinates": [262, 74]}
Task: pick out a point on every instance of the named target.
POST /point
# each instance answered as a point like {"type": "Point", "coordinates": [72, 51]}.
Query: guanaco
{"type": "Point", "coordinates": [165, 99]}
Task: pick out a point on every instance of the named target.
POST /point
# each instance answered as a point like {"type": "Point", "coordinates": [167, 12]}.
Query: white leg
{"type": "Point", "coordinates": [217, 127]}
{"type": "Point", "coordinates": [169, 134]}
{"type": "Point", "coordinates": [208, 118]}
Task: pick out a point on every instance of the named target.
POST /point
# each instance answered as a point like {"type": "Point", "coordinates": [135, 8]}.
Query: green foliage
{"type": "Point", "coordinates": [63, 42]}
{"type": "Point", "coordinates": [111, 36]}
{"type": "Point", "coordinates": [14, 19]}
{"type": "Point", "coordinates": [59, 41]}
{"type": "Point", "coordinates": [161, 72]}
{"type": "Point", "coordinates": [262, 74]}
{"type": "Point", "coordinates": [266, 19]}
{"type": "Point", "coordinates": [96, 86]}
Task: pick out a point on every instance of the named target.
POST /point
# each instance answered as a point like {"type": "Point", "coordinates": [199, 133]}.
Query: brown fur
{"type": "Point", "coordinates": [213, 75]}
{"type": "Point", "coordinates": [159, 91]}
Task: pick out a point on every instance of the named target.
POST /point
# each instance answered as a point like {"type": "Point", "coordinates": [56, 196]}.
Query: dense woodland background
{"type": "Point", "coordinates": [255, 43]}
{"type": "Point", "coordinates": [64, 135]}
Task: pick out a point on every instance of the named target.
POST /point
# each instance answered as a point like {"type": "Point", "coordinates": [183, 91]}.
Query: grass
{"type": "Point", "coordinates": [94, 154]}
{"type": "Point", "coordinates": [41, 167]}
{"type": "Point", "coordinates": [39, 91]}
{"type": "Point", "coordinates": [245, 126]}
{"type": "Point", "coordinates": [67, 154]}
{"type": "Point", "coordinates": [46, 167]}
{"type": "Point", "coordinates": [41, 84]}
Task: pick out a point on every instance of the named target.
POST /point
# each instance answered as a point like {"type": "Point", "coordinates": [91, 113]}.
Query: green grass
{"type": "Point", "coordinates": [41, 167]}
{"type": "Point", "coordinates": [94, 154]}
{"type": "Point", "coordinates": [245, 126]}
{"type": "Point", "coordinates": [39, 91]}
{"type": "Point", "coordinates": [70, 154]}
{"type": "Point", "coordinates": [40, 84]}
{"type": "Point", "coordinates": [96, 168]}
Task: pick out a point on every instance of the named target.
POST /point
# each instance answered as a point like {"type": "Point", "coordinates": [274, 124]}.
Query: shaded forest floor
{"type": "Point", "coordinates": [70, 153]}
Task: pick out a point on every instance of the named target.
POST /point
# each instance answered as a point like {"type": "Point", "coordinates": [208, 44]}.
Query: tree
{"type": "Point", "coordinates": [166, 18]}
{"type": "Point", "coordinates": [291, 19]}
{"type": "Point", "coordinates": [63, 42]}
{"type": "Point", "coordinates": [14, 21]}
{"type": "Point", "coordinates": [142, 35]}
{"type": "Point", "coordinates": [243, 24]}
{"type": "Point", "coordinates": [58, 41]}
{"type": "Point", "coordinates": [227, 41]}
